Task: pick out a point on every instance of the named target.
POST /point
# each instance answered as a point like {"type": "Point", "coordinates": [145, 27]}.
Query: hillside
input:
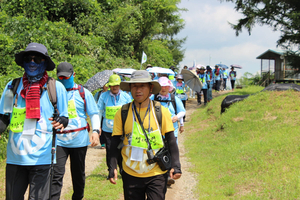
{"type": "Point", "coordinates": [249, 152]}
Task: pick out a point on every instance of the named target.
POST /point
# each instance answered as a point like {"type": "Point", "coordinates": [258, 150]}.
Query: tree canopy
{"type": "Point", "coordinates": [92, 34]}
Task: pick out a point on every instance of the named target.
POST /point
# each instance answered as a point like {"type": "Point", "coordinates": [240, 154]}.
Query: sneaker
{"type": "Point", "coordinates": [170, 181]}
{"type": "Point", "coordinates": [199, 103]}
{"type": "Point", "coordinates": [102, 146]}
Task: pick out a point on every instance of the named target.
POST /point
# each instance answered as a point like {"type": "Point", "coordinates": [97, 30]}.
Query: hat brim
{"type": "Point", "coordinates": [66, 74]}
{"type": "Point", "coordinates": [125, 86]}
{"type": "Point", "coordinates": [112, 84]}
{"type": "Point", "coordinates": [19, 60]}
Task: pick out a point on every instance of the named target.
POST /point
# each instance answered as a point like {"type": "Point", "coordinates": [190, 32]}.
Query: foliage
{"type": "Point", "coordinates": [249, 79]}
{"type": "Point", "coordinates": [250, 151]}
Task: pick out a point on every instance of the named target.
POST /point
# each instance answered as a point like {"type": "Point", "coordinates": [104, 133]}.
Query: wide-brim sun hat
{"type": "Point", "coordinates": [35, 47]}
{"type": "Point", "coordinates": [164, 81]}
{"type": "Point", "coordinates": [114, 80]}
{"type": "Point", "coordinates": [141, 76]}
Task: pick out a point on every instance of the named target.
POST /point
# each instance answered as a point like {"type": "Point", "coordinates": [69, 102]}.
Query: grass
{"type": "Point", "coordinates": [97, 187]}
{"type": "Point", "coordinates": [249, 152]}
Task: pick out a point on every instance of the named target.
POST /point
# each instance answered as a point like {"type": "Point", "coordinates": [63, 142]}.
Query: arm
{"type": "Point", "coordinates": [94, 139]}
{"type": "Point", "coordinates": [175, 171]}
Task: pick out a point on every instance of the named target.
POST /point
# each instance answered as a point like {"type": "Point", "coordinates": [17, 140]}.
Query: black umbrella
{"type": "Point", "coordinates": [98, 80]}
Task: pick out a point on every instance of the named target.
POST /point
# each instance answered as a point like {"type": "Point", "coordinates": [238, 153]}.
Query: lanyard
{"type": "Point", "coordinates": [138, 116]}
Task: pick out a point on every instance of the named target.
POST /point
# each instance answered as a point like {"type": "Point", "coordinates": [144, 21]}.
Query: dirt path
{"type": "Point", "coordinates": [181, 190]}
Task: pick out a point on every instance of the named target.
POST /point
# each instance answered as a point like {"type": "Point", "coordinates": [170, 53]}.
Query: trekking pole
{"type": "Point", "coordinates": [55, 114]}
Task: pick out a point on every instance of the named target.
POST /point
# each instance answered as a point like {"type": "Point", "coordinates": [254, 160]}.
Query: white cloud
{"type": "Point", "coordinates": [211, 40]}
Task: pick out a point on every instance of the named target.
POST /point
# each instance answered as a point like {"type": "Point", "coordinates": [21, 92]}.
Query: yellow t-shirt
{"type": "Point", "coordinates": [141, 168]}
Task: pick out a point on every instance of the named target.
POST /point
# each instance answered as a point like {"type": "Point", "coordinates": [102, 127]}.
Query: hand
{"type": "Point", "coordinates": [174, 119]}
{"type": "Point", "coordinates": [174, 176]}
{"type": "Point", "coordinates": [56, 125]}
{"type": "Point", "coordinates": [113, 180]}
{"type": "Point", "coordinates": [94, 140]}
{"type": "Point", "coordinates": [181, 129]}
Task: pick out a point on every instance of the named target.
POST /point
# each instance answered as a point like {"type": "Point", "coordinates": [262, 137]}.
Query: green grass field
{"type": "Point", "coordinates": [249, 152]}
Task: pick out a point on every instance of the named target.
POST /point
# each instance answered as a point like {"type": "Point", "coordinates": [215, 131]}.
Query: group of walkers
{"type": "Point", "coordinates": [212, 79]}
{"type": "Point", "coordinates": [48, 124]}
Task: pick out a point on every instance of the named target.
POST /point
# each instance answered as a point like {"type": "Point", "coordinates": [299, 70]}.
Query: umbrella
{"type": "Point", "coordinates": [116, 70]}
{"type": "Point", "coordinates": [128, 71]}
{"type": "Point", "coordinates": [191, 79]}
{"type": "Point", "coordinates": [98, 80]}
{"type": "Point", "coordinates": [160, 70]}
{"type": "Point", "coordinates": [222, 66]}
{"type": "Point", "coordinates": [236, 66]}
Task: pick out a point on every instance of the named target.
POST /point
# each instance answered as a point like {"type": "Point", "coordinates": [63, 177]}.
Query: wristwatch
{"type": "Point", "coordinates": [96, 130]}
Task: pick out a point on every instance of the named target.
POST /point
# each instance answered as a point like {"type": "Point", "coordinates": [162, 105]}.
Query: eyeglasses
{"type": "Point", "coordinates": [36, 59]}
{"type": "Point", "coordinates": [64, 77]}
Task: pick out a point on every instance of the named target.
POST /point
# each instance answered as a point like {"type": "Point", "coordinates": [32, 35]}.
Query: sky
{"type": "Point", "coordinates": [211, 40]}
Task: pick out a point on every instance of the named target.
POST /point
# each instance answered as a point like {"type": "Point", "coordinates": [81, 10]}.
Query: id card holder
{"type": "Point", "coordinates": [29, 127]}
{"type": "Point", "coordinates": [137, 154]}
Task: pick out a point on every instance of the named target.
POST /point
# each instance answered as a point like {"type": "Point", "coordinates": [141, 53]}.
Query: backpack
{"type": "Point", "coordinates": [51, 88]}
{"type": "Point", "coordinates": [172, 101]}
{"type": "Point", "coordinates": [81, 92]}
{"type": "Point", "coordinates": [157, 110]}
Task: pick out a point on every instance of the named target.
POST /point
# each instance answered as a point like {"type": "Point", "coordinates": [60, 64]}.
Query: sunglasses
{"type": "Point", "coordinates": [36, 59]}
{"type": "Point", "coordinates": [64, 77]}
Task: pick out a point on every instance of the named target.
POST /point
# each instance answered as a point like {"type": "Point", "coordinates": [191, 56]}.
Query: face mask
{"type": "Point", "coordinates": [68, 83]}
{"type": "Point", "coordinates": [34, 71]}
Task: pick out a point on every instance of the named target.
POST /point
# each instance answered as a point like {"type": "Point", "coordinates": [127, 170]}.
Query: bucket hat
{"type": "Point", "coordinates": [202, 68]}
{"type": "Point", "coordinates": [114, 80]}
{"type": "Point", "coordinates": [35, 47]}
{"type": "Point", "coordinates": [208, 67]}
{"type": "Point", "coordinates": [164, 81]}
{"type": "Point", "coordinates": [64, 69]}
{"type": "Point", "coordinates": [140, 76]}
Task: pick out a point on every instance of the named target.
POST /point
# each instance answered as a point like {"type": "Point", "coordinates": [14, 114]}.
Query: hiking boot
{"type": "Point", "coordinates": [170, 181]}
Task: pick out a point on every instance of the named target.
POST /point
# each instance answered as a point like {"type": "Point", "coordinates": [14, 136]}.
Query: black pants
{"type": "Point", "coordinates": [102, 138]}
{"type": "Point", "coordinates": [18, 177]}
{"type": "Point", "coordinates": [108, 137]}
{"type": "Point", "coordinates": [184, 104]}
{"type": "Point", "coordinates": [232, 84]}
{"type": "Point", "coordinates": [204, 96]}
{"type": "Point", "coordinates": [77, 165]}
{"type": "Point", "coordinates": [218, 82]}
{"type": "Point", "coordinates": [136, 188]}
{"type": "Point", "coordinates": [224, 83]}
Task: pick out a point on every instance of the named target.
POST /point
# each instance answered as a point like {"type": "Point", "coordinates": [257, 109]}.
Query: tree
{"type": "Point", "coordinates": [281, 15]}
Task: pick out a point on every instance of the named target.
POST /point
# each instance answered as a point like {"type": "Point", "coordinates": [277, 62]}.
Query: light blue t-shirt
{"type": "Point", "coordinates": [106, 100]}
{"type": "Point", "coordinates": [217, 77]}
{"type": "Point", "coordinates": [183, 87]}
{"type": "Point", "coordinates": [225, 74]}
{"type": "Point", "coordinates": [204, 78]}
{"type": "Point", "coordinates": [78, 138]}
{"type": "Point", "coordinates": [35, 149]}
{"type": "Point", "coordinates": [169, 105]}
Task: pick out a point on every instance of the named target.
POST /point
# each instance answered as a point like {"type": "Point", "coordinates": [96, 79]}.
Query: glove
{"type": "Point", "coordinates": [62, 120]}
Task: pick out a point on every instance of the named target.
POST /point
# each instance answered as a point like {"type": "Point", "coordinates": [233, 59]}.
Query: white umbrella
{"type": "Point", "coordinates": [160, 70]}
{"type": "Point", "coordinates": [128, 71]}
{"type": "Point", "coordinates": [191, 79]}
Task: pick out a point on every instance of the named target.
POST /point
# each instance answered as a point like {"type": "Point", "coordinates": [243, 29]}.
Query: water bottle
{"type": "Point", "coordinates": [8, 100]}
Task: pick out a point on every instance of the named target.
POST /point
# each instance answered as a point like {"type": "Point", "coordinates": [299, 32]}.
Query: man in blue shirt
{"type": "Point", "coordinates": [109, 103]}
{"type": "Point", "coordinates": [74, 140]}
{"type": "Point", "coordinates": [29, 145]}
{"type": "Point", "coordinates": [218, 76]}
{"type": "Point", "coordinates": [204, 78]}
{"type": "Point", "coordinates": [225, 76]}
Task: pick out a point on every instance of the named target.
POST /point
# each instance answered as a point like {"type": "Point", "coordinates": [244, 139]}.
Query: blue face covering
{"type": "Point", "coordinates": [35, 71]}
{"type": "Point", "coordinates": [68, 83]}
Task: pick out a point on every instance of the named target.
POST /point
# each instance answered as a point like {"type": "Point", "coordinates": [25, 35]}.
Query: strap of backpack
{"type": "Point", "coordinates": [82, 94]}
{"type": "Point", "coordinates": [124, 114]}
{"type": "Point", "coordinates": [51, 89]}
{"type": "Point", "coordinates": [157, 109]}
{"type": "Point", "coordinates": [15, 84]}
{"type": "Point", "coordinates": [174, 103]}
